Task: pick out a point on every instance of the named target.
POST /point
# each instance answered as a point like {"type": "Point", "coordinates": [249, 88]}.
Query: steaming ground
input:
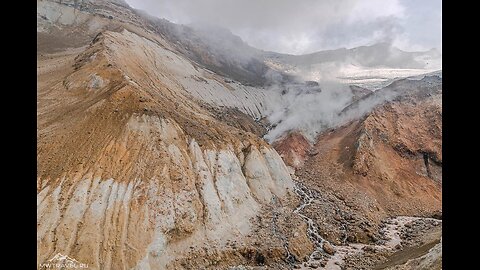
{"type": "Point", "coordinates": [307, 110]}
{"type": "Point", "coordinates": [311, 110]}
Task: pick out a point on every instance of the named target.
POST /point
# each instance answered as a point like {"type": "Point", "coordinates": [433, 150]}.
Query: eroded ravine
{"type": "Point", "coordinates": [321, 259]}
{"type": "Point", "coordinates": [307, 197]}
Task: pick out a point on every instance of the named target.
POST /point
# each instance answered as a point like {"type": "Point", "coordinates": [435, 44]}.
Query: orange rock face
{"type": "Point", "coordinates": [389, 161]}
{"type": "Point", "coordinates": [294, 149]}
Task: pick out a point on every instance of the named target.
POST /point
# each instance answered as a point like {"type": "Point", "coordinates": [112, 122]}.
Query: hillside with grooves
{"type": "Point", "coordinates": [136, 173]}
{"type": "Point", "coordinates": [151, 155]}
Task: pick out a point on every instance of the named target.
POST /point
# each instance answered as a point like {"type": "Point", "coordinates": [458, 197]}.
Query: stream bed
{"type": "Point", "coordinates": [321, 259]}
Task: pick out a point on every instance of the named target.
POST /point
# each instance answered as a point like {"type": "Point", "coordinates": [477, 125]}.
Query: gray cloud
{"type": "Point", "coordinates": [305, 26]}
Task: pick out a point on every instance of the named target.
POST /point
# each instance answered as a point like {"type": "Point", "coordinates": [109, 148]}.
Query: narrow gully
{"type": "Point", "coordinates": [392, 231]}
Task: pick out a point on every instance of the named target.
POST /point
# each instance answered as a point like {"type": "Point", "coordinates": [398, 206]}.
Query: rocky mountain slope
{"type": "Point", "coordinates": [387, 163]}
{"type": "Point", "coordinates": [373, 66]}
{"type": "Point", "coordinates": [150, 152]}
{"type": "Point", "coordinates": [136, 172]}
{"type": "Point", "coordinates": [380, 54]}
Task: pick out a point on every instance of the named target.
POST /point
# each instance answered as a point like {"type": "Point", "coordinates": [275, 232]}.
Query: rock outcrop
{"type": "Point", "coordinates": [294, 149]}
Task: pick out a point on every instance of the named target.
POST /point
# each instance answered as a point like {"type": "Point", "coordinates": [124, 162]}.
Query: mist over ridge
{"type": "Point", "coordinates": [309, 26]}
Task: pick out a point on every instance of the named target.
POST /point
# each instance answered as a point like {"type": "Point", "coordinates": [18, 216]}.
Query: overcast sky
{"type": "Point", "coordinates": [304, 26]}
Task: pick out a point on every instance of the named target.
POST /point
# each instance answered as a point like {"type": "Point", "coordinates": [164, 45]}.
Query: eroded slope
{"type": "Point", "coordinates": [133, 173]}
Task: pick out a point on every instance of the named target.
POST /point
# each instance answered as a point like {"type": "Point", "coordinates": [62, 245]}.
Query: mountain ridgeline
{"type": "Point", "coordinates": [167, 146]}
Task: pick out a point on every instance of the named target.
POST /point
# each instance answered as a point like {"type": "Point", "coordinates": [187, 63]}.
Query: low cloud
{"type": "Point", "coordinates": [309, 110]}
{"type": "Point", "coordinates": [299, 27]}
